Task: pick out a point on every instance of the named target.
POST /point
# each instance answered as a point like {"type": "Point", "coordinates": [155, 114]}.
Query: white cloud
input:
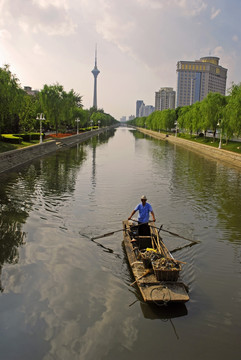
{"type": "Point", "coordinates": [115, 31]}
{"type": "Point", "coordinates": [64, 28]}
{"type": "Point", "coordinates": [5, 34]}
{"type": "Point", "coordinates": [151, 4]}
{"type": "Point", "coordinates": [38, 50]}
{"type": "Point", "coordinates": [190, 7]}
{"type": "Point", "coordinates": [56, 3]}
{"type": "Point", "coordinates": [51, 17]}
{"type": "Point", "coordinates": [24, 26]}
{"type": "Point", "coordinates": [214, 13]}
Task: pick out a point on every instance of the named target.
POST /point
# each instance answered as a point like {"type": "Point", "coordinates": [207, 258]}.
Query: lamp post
{"type": "Point", "coordinates": [41, 118]}
{"type": "Point", "coordinates": [77, 120]}
{"type": "Point", "coordinates": [176, 127]}
{"type": "Point", "coordinates": [98, 123]}
{"type": "Point", "coordinates": [220, 137]}
{"type": "Point", "coordinates": [91, 124]}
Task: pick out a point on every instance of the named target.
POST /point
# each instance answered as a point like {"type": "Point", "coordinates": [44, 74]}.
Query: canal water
{"type": "Point", "coordinates": [66, 297]}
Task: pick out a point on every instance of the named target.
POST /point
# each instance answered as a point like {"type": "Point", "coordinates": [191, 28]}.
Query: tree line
{"type": "Point", "coordinates": [215, 112]}
{"type": "Point", "coordinates": [18, 110]}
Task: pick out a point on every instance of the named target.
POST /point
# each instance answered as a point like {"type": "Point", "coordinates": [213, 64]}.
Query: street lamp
{"type": "Point", "coordinates": [41, 118]}
{"type": "Point", "coordinates": [77, 120]}
{"type": "Point", "coordinates": [176, 127]}
{"type": "Point", "coordinates": [220, 137]}
{"type": "Point", "coordinates": [98, 123]}
{"type": "Point", "coordinates": [91, 124]}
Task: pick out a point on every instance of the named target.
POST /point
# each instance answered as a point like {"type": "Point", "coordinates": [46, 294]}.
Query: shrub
{"type": "Point", "coordinates": [30, 136]}
{"type": "Point", "coordinates": [10, 138]}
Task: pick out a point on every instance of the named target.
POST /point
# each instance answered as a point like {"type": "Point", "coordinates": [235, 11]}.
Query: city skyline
{"type": "Point", "coordinates": [139, 45]}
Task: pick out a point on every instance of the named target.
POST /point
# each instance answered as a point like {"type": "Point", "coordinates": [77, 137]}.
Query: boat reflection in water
{"type": "Point", "coordinates": [164, 312]}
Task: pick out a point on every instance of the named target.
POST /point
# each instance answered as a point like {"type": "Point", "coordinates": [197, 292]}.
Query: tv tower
{"type": "Point", "coordinates": [95, 72]}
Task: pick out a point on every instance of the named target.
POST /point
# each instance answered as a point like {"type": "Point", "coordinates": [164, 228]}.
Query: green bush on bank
{"type": "Point", "coordinates": [10, 138]}
{"type": "Point", "coordinates": [30, 136]}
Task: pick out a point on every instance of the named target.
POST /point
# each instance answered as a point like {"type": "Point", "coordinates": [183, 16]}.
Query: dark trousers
{"type": "Point", "coordinates": [143, 229]}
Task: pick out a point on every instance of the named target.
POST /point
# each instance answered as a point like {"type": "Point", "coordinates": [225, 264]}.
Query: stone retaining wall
{"type": "Point", "coordinates": [14, 158]}
{"type": "Point", "coordinates": [228, 157]}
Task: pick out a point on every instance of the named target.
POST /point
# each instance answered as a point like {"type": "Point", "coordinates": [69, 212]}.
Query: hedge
{"type": "Point", "coordinates": [30, 136]}
{"type": "Point", "coordinates": [13, 139]}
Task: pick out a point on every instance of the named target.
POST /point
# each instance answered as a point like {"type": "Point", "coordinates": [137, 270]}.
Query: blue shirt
{"type": "Point", "coordinates": [143, 212]}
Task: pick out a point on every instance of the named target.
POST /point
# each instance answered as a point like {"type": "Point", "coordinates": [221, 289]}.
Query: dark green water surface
{"type": "Point", "coordinates": [66, 297]}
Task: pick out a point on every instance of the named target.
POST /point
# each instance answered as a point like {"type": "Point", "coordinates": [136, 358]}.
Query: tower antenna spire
{"type": "Point", "coordinates": [96, 55]}
{"type": "Point", "coordinates": [95, 73]}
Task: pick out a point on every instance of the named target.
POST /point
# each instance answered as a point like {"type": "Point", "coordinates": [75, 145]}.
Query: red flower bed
{"type": "Point", "coordinates": [59, 135]}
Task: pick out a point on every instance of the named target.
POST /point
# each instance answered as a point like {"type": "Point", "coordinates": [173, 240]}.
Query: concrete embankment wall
{"type": "Point", "coordinates": [14, 158]}
{"type": "Point", "coordinates": [228, 157]}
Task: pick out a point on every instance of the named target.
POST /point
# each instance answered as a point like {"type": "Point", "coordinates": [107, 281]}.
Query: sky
{"type": "Point", "coordinates": [139, 43]}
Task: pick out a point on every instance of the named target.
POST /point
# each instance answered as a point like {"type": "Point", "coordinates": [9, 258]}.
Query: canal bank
{"type": "Point", "coordinates": [228, 157]}
{"type": "Point", "coordinates": [14, 158]}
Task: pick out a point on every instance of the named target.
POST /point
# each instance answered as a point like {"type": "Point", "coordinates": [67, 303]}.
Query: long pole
{"type": "Point", "coordinates": [41, 139]}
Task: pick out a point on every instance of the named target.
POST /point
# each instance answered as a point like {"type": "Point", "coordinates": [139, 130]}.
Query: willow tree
{"type": "Point", "coordinates": [10, 100]}
{"type": "Point", "coordinates": [212, 108]}
{"type": "Point", "coordinates": [233, 110]}
{"type": "Point", "coordinates": [51, 100]}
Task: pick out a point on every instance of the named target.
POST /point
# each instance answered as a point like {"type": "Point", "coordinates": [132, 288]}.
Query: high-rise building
{"type": "Point", "coordinates": [95, 72]}
{"type": "Point", "coordinates": [195, 79]}
{"type": "Point", "coordinates": [131, 117]}
{"type": "Point", "coordinates": [142, 109]}
{"type": "Point", "coordinates": [147, 110]}
{"type": "Point", "coordinates": [139, 103]}
{"type": "Point", "coordinates": [165, 98]}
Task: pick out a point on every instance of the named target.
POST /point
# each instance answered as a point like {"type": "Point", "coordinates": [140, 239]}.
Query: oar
{"type": "Point", "coordinates": [111, 233]}
{"type": "Point", "coordinates": [182, 237]}
{"type": "Point", "coordinates": [181, 247]}
{"type": "Point", "coordinates": [107, 234]}
{"type": "Point", "coordinates": [172, 233]}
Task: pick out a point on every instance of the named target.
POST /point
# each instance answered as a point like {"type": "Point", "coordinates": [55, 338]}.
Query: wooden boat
{"type": "Point", "coordinates": [155, 270]}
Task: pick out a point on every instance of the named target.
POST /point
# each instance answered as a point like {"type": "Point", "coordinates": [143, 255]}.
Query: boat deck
{"type": "Point", "coordinates": [152, 290]}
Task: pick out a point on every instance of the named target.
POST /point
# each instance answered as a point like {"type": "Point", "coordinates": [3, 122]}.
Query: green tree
{"type": "Point", "coordinates": [10, 100]}
{"type": "Point", "coordinates": [212, 108]}
{"type": "Point", "coordinates": [233, 111]}
{"type": "Point", "coordinates": [51, 100]}
{"type": "Point", "coordinates": [27, 112]}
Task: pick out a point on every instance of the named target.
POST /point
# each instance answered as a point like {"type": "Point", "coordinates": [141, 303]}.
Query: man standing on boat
{"type": "Point", "coordinates": [144, 209]}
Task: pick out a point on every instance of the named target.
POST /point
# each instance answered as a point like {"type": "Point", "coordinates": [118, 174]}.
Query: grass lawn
{"type": "Point", "coordinates": [4, 146]}
{"type": "Point", "coordinates": [234, 146]}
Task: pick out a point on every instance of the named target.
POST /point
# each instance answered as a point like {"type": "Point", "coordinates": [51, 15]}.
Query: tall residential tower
{"type": "Point", "coordinates": [95, 72]}
{"type": "Point", "coordinates": [165, 98]}
{"type": "Point", "coordinates": [195, 79]}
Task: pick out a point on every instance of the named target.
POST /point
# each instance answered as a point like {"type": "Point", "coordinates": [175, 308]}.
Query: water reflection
{"type": "Point", "coordinates": [48, 181]}
{"type": "Point", "coordinates": [164, 312]}
{"type": "Point", "coordinates": [14, 210]}
{"type": "Point", "coordinates": [209, 187]}
{"type": "Point", "coordinates": [19, 194]}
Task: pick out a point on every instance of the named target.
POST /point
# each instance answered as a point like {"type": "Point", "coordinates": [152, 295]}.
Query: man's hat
{"type": "Point", "coordinates": [143, 197]}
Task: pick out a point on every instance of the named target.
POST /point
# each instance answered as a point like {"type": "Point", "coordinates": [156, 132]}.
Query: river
{"type": "Point", "coordinates": [66, 297]}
